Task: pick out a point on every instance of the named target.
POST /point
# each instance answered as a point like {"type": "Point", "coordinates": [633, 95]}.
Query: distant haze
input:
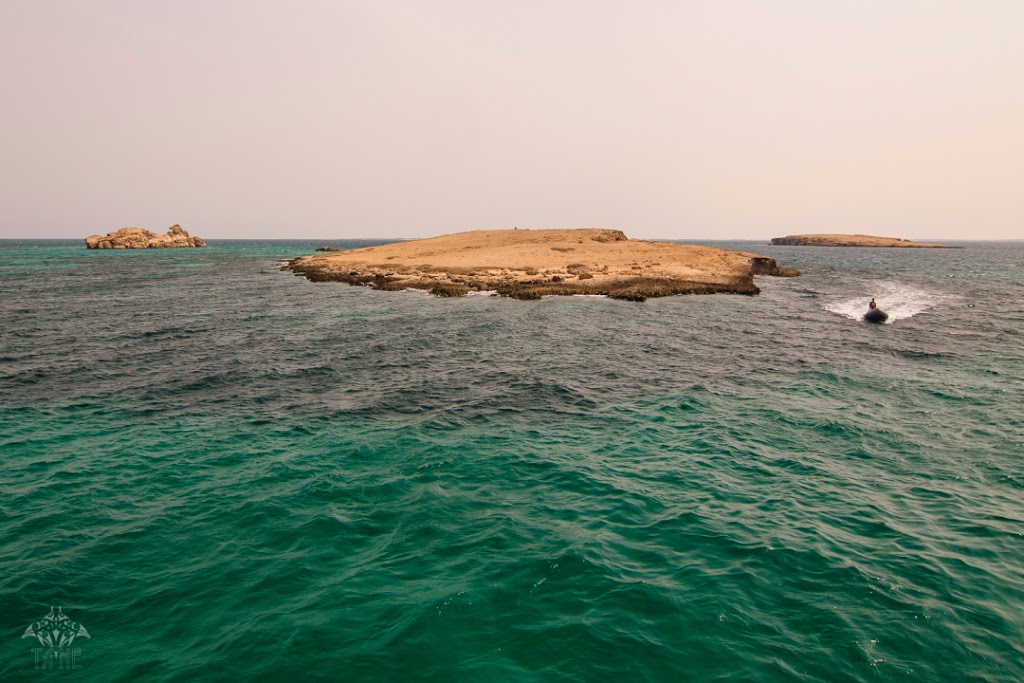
{"type": "Point", "coordinates": [403, 118]}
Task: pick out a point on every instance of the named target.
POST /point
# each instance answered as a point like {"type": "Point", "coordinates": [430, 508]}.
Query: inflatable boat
{"type": "Point", "coordinates": [876, 315]}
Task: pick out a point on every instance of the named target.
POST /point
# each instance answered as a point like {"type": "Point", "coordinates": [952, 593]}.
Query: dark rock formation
{"type": "Point", "coordinates": [762, 265]}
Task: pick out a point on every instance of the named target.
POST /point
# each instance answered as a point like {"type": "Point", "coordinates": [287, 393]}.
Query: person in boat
{"type": "Point", "coordinates": [872, 306]}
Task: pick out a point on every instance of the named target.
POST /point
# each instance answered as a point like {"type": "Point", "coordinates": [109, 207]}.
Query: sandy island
{"type": "Point", "coordinates": [528, 264]}
{"type": "Point", "coordinates": [856, 241]}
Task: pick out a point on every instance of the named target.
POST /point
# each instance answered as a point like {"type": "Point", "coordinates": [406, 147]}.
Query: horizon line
{"type": "Point", "coordinates": [403, 239]}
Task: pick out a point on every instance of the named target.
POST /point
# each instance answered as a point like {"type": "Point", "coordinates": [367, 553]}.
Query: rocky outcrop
{"type": "Point", "coordinates": [855, 241]}
{"type": "Point", "coordinates": [610, 236]}
{"type": "Point", "coordinates": [529, 264]}
{"type": "Point", "coordinates": [762, 265]}
{"type": "Point", "coordinates": [139, 238]}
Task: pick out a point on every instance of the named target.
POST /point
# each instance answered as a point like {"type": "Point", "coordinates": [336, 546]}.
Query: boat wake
{"type": "Point", "coordinates": [898, 300]}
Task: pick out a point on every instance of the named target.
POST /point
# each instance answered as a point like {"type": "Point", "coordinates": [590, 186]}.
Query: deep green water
{"type": "Point", "coordinates": [225, 472]}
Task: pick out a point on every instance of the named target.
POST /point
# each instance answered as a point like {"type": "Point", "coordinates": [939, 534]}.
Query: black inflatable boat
{"type": "Point", "coordinates": [876, 315]}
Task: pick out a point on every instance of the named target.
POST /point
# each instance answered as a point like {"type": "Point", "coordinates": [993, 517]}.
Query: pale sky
{"type": "Point", "coordinates": [716, 119]}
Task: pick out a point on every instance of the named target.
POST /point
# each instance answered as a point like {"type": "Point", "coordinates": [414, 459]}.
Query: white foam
{"type": "Point", "coordinates": [899, 300]}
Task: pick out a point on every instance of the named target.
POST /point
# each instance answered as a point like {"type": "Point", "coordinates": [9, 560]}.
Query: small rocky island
{"type": "Point", "coordinates": [139, 238]}
{"type": "Point", "coordinates": [529, 264]}
{"type": "Point", "coordinates": [855, 241]}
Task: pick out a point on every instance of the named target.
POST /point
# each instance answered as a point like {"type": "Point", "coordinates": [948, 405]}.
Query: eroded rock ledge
{"type": "Point", "coordinates": [529, 264]}
{"type": "Point", "coordinates": [855, 241]}
{"type": "Point", "coordinates": [139, 238]}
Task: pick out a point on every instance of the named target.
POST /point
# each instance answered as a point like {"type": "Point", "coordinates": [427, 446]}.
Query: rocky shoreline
{"type": "Point", "coordinates": [822, 240]}
{"type": "Point", "coordinates": [140, 238]}
{"type": "Point", "coordinates": [529, 264]}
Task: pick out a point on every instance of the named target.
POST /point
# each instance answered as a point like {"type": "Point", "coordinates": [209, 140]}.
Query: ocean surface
{"type": "Point", "coordinates": [220, 471]}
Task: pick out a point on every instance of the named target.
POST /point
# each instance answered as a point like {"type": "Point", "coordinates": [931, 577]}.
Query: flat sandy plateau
{"type": "Point", "coordinates": [528, 264]}
{"type": "Point", "coordinates": [856, 241]}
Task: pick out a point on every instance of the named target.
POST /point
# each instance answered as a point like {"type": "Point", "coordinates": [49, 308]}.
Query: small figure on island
{"type": "Point", "coordinates": [872, 306]}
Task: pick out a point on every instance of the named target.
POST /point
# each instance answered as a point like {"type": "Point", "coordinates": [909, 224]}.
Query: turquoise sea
{"type": "Point", "coordinates": [217, 471]}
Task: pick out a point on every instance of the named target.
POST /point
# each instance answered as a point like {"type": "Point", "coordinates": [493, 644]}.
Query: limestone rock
{"type": "Point", "coordinates": [140, 238]}
{"type": "Point", "coordinates": [529, 264]}
{"type": "Point", "coordinates": [829, 240]}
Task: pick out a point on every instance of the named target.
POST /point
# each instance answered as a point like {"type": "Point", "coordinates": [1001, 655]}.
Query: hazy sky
{"type": "Point", "coordinates": [401, 118]}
